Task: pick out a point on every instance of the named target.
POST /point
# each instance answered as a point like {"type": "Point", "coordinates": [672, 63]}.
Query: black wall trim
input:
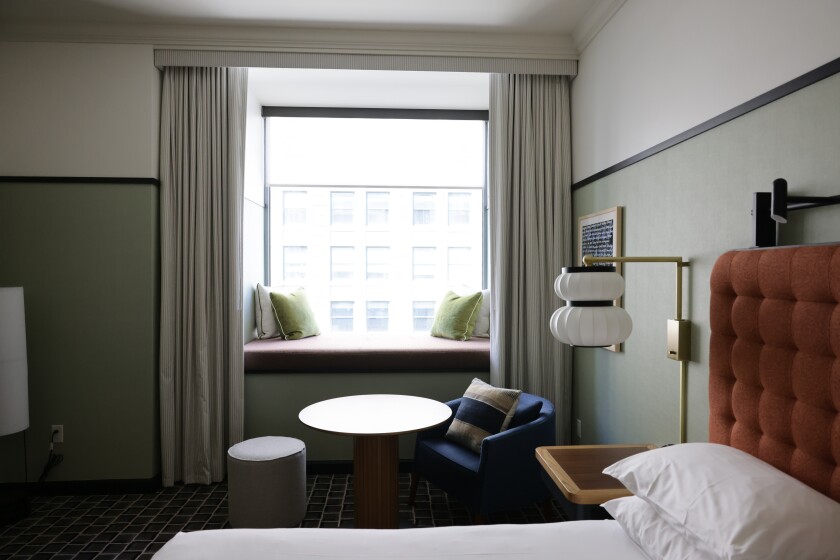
{"type": "Point", "coordinates": [803, 81]}
{"type": "Point", "coordinates": [81, 180]}
{"type": "Point", "coordinates": [372, 113]}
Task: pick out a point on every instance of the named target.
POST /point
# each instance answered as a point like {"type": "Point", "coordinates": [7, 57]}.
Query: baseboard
{"type": "Point", "coordinates": [85, 487]}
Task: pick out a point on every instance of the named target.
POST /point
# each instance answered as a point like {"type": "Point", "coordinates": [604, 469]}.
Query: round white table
{"type": "Point", "coordinates": [375, 422]}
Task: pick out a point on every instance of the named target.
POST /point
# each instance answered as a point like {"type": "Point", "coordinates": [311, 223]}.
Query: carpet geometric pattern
{"type": "Point", "coordinates": [137, 525]}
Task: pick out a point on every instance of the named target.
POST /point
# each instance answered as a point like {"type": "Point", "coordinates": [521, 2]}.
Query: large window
{"type": "Point", "coordinates": [380, 216]}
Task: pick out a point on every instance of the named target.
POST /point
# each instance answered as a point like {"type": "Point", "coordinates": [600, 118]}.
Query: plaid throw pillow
{"type": "Point", "coordinates": [484, 410]}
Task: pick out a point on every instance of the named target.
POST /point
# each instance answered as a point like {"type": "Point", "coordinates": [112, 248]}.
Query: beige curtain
{"type": "Point", "coordinates": [530, 239]}
{"type": "Point", "coordinates": [201, 173]}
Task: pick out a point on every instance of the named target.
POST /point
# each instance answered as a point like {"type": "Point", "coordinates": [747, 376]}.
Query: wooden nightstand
{"type": "Point", "coordinates": [573, 473]}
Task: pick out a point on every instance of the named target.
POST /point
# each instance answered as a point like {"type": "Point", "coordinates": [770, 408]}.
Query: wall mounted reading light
{"type": "Point", "coordinates": [590, 317]}
{"type": "Point", "coordinates": [771, 209]}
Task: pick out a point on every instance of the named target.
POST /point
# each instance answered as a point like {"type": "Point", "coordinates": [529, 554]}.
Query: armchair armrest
{"type": "Point", "coordinates": [440, 430]}
{"type": "Point", "coordinates": [512, 453]}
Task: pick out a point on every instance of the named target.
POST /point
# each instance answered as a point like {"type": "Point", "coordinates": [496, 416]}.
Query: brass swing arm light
{"type": "Point", "coordinates": [679, 329]}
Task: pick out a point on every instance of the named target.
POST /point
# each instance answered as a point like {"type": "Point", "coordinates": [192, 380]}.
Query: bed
{"type": "Point", "coordinates": [767, 485]}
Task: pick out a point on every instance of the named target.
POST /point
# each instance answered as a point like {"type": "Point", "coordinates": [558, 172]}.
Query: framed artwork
{"type": "Point", "coordinates": [599, 235]}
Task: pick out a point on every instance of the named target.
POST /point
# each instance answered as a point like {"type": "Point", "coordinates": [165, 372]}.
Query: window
{"type": "Point", "coordinates": [459, 209]}
{"type": "Point", "coordinates": [341, 208]}
{"type": "Point", "coordinates": [294, 263]}
{"type": "Point", "coordinates": [377, 208]}
{"type": "Point", "coordinates": [377, 316]}
{"type": "Point", "coordinates": [424, 263]}
{"type": "Point", "coordinates": [359, 213]}
{"type": "Point", "coordinates": [459, 265]}
{"type": "Point", "coordinates": [341, 316]}
{"type": "Point", "coordinates": [341, 264]}
{"type": "Point", "coordinates": [294, 208]}
{"type": "Point", "coordinates": [423, 315]}
{"type": "Point", "coordinates": [378, 262]}
{"type": "Point", "coordinates": [424, 208]}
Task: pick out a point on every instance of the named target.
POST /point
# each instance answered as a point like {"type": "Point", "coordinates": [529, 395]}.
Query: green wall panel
{"type": "Point", "coordinates": [694, 200]}
{"type": "Point", "coordinates": [87, 257]}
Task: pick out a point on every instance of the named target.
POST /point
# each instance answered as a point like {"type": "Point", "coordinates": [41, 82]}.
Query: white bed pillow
{"type": "Point", "coordinates": [738, 506]}
{"type": "Point", "coordinates": [657, 538]}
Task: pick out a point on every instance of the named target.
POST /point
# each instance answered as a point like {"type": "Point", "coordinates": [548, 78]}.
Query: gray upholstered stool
{"type": "Point", "coordinates": [267, 482]}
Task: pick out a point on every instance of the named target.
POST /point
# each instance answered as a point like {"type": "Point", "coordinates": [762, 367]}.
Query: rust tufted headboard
{"type": "Point", "coordinates": [774, 364]}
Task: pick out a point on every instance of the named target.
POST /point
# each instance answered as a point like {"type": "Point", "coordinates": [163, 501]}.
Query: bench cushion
{"type": "Point", "coordinates": [340, 353]}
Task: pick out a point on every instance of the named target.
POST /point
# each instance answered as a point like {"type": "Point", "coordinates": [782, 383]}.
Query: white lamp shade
{"type": "Point", "coordinates": [14, 386]}
{"type": "Point", "coordinates": [591, 326]}
{"type": "Point", "coordinates": [589, 284]}
{"type": "Point", "coordinates": [590, 318]}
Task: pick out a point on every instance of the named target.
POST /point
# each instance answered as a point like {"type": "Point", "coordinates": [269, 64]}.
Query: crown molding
{"type": "Point", "coordinates": [594, 20]}
{"type": "Point", "coordinates": [300, 39]}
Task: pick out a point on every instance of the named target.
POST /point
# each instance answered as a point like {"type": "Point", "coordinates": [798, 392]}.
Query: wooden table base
{"type": "Point", "coordinates": [375, 473]}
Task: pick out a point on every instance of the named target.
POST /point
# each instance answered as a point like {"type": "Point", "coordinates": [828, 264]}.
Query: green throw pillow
{"type": "Point", "coordinates": [456, 316]}
{"type": "Point", "coordinates": [294, 315]}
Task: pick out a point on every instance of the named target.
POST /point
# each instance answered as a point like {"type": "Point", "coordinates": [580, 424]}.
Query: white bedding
{"type": "Point", "coordinates": [575, 540]}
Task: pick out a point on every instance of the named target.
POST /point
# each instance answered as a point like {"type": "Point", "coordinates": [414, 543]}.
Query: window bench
{"type": "Point", "coordinates": [336, 353]}
{"type": "Point", "coordinates": [284, 376]}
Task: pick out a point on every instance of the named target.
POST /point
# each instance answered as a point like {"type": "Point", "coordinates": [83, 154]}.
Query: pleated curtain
{"type": "Point", "coordinates": [530, 234]}
{"type": "Point", "coordinates": [201, 173]}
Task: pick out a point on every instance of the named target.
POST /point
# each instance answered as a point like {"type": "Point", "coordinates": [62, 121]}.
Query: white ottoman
{"type": "Point", "coordinates": [267, 482]}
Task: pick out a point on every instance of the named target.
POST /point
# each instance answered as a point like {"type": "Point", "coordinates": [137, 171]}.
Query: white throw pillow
{"type": "Point", "coordinates": [482, 324]}
{"type": "Point", "coordinates": [657, 538]}
{"type": "Point", "coordinates": [738, 506]}
{"type": "Point", "coordinates": [267, 326]}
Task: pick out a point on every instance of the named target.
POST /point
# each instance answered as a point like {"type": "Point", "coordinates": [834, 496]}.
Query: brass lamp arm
{"type": "Point", "coordinates": [589, 260]}
{"type": "Point", "coordinates": [679, 334]}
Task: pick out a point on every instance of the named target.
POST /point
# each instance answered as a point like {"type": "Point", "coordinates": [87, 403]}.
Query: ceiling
{"type": "Point", "coordinates": [555, 17]}
{"type": "Point", "coordinates": [517, 28]}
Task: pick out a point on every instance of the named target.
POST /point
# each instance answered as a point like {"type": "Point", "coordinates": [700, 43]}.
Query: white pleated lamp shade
{"type": "Point", "coordinates": [590, 317]}
{"type": "Point", "coordinates": [14, 386]}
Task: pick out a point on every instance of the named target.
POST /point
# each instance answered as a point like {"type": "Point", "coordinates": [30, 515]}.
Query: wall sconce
{"type": "Point", "coordinates": [771, 209]}
{"type": "Point", "coordinates": [590, 317]}
{"type": "Point", "coordinates": [14, 390]}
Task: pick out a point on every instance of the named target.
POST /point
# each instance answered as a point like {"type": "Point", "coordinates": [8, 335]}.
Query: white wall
{"type": "Point", "coordinates": [253, 217]}
{"type": "Point", "coordinates": [79, 110]}
{"type": "Point", "coordinates": [660, 67]}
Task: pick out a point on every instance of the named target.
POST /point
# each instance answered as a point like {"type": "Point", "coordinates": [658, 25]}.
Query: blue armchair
{"type": "Point", "coordinates": [505, 475]}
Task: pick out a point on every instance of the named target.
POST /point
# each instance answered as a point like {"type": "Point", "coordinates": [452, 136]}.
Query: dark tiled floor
{"type": "Point", "coordinates": [137, 525]}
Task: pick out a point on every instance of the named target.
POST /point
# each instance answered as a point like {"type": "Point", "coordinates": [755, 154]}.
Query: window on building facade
{"type": "Point", "coordinates": [377, 316]}
{"type": "Point", "coordinates": [294, 208]}
{"type": "Point", "coordinates": [424, 261]}
{"type": "Point", "coordinates": [341, 208]}
{"type": "Point", "coordinates": [342, 262]}
{"type": "Point", "coordinates": [377, 208]}
{"type": "Point", "coordinates": [459, 209]}
{"type": "Point", "coordinates": [341, 316]}
{"type": "Point", "coordinates": [423, 315]}
{"type": "Point", "coordinates": [424, 208]}
{"type": "Point", "coordinates": [294, 263]}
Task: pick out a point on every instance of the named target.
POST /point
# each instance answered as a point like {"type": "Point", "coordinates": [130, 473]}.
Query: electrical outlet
{"type": "Point", "coordinates": [579, 431]}
{"type": "Point", "coordinates": [59, 436]}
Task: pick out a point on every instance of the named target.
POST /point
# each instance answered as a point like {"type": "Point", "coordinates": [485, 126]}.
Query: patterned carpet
{"type": "Point", "coordinates": [137, 525]}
